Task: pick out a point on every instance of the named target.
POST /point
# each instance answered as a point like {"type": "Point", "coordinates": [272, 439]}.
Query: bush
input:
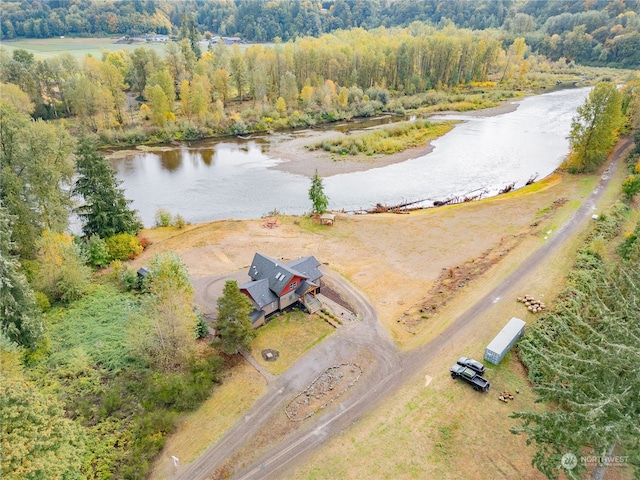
{"type": "Point", "coordinates": [129, 280]}
{"type": "Point", "coordinates": [163, 218]}
{"type": "Point", "coordinates": [179, 222]}
{"type": "Point", "coordinates": [42, 301]}
{"type": "Point", "coordinates": [631, 186]}
{"type": "Point", "coordinates": [97, 252]}
{"type": "Point", "coordinates": [123, 246]}
{"type": "Point", "coordinates": [239, 128]}
{"type": "Point", "coordinates": [202, 329]}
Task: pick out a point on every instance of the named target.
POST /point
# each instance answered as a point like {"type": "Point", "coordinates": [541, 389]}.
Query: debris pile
{"type": "Point", "coordinates": [532, 304]}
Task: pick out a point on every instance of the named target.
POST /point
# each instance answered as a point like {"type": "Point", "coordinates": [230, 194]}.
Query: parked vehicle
{"type": "Point", "coordinates": [470, 376]}
{"type": "Point", "coordinates": [472, 364]}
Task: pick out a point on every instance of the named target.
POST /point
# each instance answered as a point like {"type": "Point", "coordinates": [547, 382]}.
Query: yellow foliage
{"type": "Point", "coordinates": [145, 111]}
{"type": "Point", "coordinates": [637, 167]}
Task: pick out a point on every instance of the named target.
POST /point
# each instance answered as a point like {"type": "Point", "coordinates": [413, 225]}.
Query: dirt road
{"type": "Point", "coordinates": [386, 369]}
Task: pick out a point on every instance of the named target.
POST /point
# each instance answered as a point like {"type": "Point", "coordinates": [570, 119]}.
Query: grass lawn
{"type": "Point", "coordinates": [78, 47]}
{"type": "Point", "coordinates": [291, 334]}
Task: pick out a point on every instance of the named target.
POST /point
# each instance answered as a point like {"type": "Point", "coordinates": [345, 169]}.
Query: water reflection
{"type": "Point", "coordinates": [233, 178]}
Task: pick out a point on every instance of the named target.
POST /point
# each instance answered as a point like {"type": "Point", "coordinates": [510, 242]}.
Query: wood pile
{"type": "Point", "coordinates": [506, 396]}
{"type": "Point", "coordinates": [532, 304]}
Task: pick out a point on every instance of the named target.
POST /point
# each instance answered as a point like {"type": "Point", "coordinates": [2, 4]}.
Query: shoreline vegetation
{"type": "Point", "coordinates": [386, 140]}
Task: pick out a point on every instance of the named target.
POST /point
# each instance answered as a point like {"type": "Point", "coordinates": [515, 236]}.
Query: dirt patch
{"type": "Point", "coordinates": [331, 294]}
{"type": "Point", "coordinates": [453, 279]}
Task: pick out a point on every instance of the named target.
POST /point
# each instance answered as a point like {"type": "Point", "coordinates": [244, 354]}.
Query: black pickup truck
{"type": "Point", "coordinates": [470, 376]}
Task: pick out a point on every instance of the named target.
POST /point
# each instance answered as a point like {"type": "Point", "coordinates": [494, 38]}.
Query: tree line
{"type": "Point", "coordinates": [581, 357]}
{"type": "Point", "coordinates": [598, 32]}
{"type": "Point", "coordinates": [355, 72]}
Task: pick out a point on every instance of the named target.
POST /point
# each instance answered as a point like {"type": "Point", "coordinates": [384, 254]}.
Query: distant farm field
{"type": "Point", "coordinates": [78, 47]}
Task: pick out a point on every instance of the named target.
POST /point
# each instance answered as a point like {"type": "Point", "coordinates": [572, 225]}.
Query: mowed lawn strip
{"type": "Point", "coordinates": [292, 334]}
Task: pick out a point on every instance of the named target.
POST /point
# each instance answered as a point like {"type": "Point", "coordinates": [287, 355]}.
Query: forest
{"type": "Point", "coordinates": [595, 32]}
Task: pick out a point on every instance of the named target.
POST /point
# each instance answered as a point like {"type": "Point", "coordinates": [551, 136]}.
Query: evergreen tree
{"type": "Point", "coordinates": [317, 196]}
{"type": "Point", "coordinates": [583, 358]}
{"type": "Point", "coordinates": [106, 211]}
{"type": "Point", "coordinates": [19, 318]}
{"type": "Point", "coordinates": [234, 325]}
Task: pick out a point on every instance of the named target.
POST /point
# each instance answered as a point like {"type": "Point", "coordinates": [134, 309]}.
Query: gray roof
{"type": "Point", "coordinates": [255, 316]}
{"type": "Point", "coordinates": [505, 337]}
{"type": "Point", "coordinates": [304, 286]}
{"type": "Point", "coordinates": [308, 266]}
{"type": "Point", "coordinates": [270, 276]}
{"type": "Point", "coordinates": [260, 292]}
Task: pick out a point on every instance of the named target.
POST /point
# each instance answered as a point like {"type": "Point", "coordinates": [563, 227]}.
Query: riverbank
{"type": "Point", "coordinates": [299, 160]}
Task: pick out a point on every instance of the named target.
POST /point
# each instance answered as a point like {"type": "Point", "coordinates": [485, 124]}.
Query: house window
{"type": "Point", "coordinates": [293, 285]}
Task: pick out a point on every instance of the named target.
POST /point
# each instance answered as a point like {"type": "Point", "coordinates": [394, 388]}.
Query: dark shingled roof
{"type": "Point", "coordinates": [277, 273]}
{"type": "Point", "coordinates": [308, 266]}
{"type": "Point", "coordinates": [259, 291]}
{"type": "Point", "coordinates": [255, 316]}
{"type": "Point", "coordinates": [269, 277]}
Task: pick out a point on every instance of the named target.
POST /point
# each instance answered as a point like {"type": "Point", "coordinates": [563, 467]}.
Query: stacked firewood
{"type": "Point", "coordinates": [532, 304]}
{"type": "Point", "coordinates": [505, 396]}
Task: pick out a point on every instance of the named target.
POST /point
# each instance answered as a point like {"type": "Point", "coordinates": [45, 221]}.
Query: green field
{"type": "Point", "coordinates": [78, 47]}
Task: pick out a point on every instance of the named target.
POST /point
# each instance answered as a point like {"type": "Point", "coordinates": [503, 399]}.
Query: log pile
{"type": "Point", "coordinates": [533, 305]}
{"type": "Point", "coordinates": [505, 396]}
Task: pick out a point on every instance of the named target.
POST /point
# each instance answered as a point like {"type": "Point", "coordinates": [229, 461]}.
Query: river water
{"type": "Point", "coordinates": [235, 179]}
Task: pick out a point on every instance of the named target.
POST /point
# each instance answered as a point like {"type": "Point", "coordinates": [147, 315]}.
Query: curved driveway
{"type": "Point", "coordinates": [383, 376]}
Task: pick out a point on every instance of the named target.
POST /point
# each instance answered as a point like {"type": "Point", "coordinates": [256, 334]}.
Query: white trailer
{"type": "Point", "coordinates": [503, 342]}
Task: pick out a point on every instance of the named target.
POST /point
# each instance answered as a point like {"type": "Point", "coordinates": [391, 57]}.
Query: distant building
{"type": "Point", "coordinates": [227, 40]}
{"type": "Point", "coordinates": [152, 37]}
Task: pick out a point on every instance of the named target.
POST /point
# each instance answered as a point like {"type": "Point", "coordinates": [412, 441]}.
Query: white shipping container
{"type": "Point", "coordinates": [506, 338]}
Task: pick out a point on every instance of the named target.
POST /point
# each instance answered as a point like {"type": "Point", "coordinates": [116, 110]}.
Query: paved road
{"type": "Point", "coordinates": [384, 376]}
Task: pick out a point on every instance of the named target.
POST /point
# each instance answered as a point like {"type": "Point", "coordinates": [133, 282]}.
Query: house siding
{"type": "Point", "coordinates": [291, 286]}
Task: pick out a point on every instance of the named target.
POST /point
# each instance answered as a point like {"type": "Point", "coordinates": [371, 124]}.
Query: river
{"type": "Point", "coordinates": [234, 179]}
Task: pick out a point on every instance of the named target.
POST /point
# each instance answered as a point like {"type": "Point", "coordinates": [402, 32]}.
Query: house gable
{"type": "Point", "coordinates": [259, 292]}
{"type": "Point", "coordinates": [279, 275]}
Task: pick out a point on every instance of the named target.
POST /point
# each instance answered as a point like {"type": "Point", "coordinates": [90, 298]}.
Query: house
{"type": "Point", "coordinates": [226, 40]}
{"type": "Point", "coordinates": [276, 285]}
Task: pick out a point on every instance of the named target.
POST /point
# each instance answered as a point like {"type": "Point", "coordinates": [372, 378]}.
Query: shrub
{"type": "Point", "coordinates": [144, 242]}
{"type": "Point", "coordinates": [129, 280]}
{"type": "Point", "coordinates": [631, 186]}
{"type": "Point", "coordinates": [163, 218]}
{"type": "Point", "coordinates": [179, 222]}
{"type": "Point", "coordinates": [97, 252]}
{"type": "Point", "coordinates": [42, 301]}
{"type": "Point", "coordinates": [202, 329]}
{"type": "Point", "coordinates": [239, 128]}
{"type": "Point", "coordinates": [123, 246]}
